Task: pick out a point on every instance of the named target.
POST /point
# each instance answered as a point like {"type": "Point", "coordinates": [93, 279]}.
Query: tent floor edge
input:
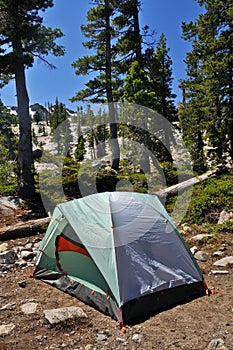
{"type": "Point", "coordinates": [84, 294]}
{"type": "Point", "coordinates": [152, 304]}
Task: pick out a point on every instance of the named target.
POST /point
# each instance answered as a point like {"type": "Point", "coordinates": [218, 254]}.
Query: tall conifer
{"type": "Point", "coordinates": [209, 86]}
{"type": "Point", "coordinates": [23, 37]}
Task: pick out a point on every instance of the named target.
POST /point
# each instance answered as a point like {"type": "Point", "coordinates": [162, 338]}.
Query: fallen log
{"type": "Point", "coordinates": [24, 229]}
{"type": "Point", "coordinates": [180, 187]}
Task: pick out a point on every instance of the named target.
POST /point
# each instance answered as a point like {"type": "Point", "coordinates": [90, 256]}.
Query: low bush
{"type": "Point", "coordinates": [209, 198]}
{"type": "Point", "coordinates": [8, 179]}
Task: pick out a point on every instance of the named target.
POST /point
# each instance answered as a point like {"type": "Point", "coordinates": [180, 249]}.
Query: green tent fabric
{"type": "Point", "coordinates": [119, 252]}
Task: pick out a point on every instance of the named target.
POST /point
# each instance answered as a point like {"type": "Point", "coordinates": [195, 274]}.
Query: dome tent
{"type": "Point", "coordinates": [119, 252]}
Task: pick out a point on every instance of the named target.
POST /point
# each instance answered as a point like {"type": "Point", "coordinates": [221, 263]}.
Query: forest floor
{"type": "Point", "coordinates": [204, 323]}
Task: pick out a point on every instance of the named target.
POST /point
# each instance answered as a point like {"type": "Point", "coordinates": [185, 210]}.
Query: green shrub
{"type": "Point", "coordinates": [209, 198]}
{"type": "Point", "coordinates": [8, 179]}
{"type": "Point", "coordinates": [9, 189]}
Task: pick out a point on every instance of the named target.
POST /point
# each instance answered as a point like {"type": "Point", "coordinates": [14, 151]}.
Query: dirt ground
{"type": "Point", "coordinates": [192, 326]}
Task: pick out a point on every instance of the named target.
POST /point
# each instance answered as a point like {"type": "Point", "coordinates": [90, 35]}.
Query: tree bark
{"type": "Point", "coordinates": [230, 120]}
{"type": "Point", "coordinates": [112, 113]}
{"type": "Point", "coordinates": [25, 157]}
{"type": "Point", "coordinates": [137, 35]}
{"type": "Point", "coordinates": [144, 161]}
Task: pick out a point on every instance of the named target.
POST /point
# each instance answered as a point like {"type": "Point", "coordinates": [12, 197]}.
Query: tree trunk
{"type": "Point", "coordinates": [111, 108]}
{"type": "Point", "coordinates": [25, 158]}
{"type": "Point", "coordinates": [137, 35]}
{"type": "Point", "coordinates": [230, 120]}
{"type": "Point", "coordinates": [145, 160]}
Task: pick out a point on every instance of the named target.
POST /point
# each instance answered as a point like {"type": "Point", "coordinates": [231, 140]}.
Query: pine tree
{"type": "Point", "coordinates": [100, 33]}
{"type": "Point", "coordinates": [23, 37]}
{"type": "Point", "coordinates": [80, 149]}
{"type": "Point", "coordinates": [137, 88]}
{"type": "Point", "coordinates": [89, 117]}
{"type": "Point", "coordinates": [57, 114]}
{"type": "Point", "coordinates": [212, 62]}
{"type": "Point", "coordinates": [192, 111]}
{"type": "Point", "coordinates": [37, 117]}
{"type": "Point", "coordinates": [129, 43]}
{"type": "Point", "coordinates": [158, 64]}
{"type": "Point", "coordinates": [60, 128]}
{"type": "Point", "coordinates": [136, 91]}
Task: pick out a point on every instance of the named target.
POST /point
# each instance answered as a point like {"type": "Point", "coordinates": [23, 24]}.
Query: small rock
{"type": "Point", "coordinates": [200, 237]}
{"type": "Point", "coordinates": [55, 316]}
{"type": "Point", "coordinates": [186, 228]}
{"type": "Point", "coordinates": [29, 308]}
{"type": "Point", "coordinates": [14, 201]}
{"type": "Point", "coordinates": [137, 338]}
{"type": "Point", "coordinates": [89, 347]}
{"type": "Point", "coordinates": [224, 216]}
{"type": "Point", "coordinates": [126, 343]}
{"type": "Point", "coordinates": [21, 263]}
{"type": "Point", "coordinates": [214, 344]}
{"type": "Point", "coordinates": [218, 253]}
{"type": "Point", "coordinates": [227, 260]}
{"type": "Point", "coordinates": [28, 246]}
{"type": "Point", "coordinates": [193, 249]}
{"type": "Point", "coordinates": [7, 258]}
{"type": "Point", "coordinates": [22, 284]}
{"type": "Point", "coordinates": [26, 255]}
{"type": "Point", "coordinates": [6, 210]}
{"type": "Point", "coordinates": [6, 329]}
{"type": "Point", "coordinates": [223, 247]}
{"type": "Point", "coordinates": [120, 339]}
{"type": "Point", "coordinates": [40, 338]}
{"type": "Point", "coordinates": [202, 256]}
{"type": "Point", "coordinates": [101, 337]}
{"type": "Point", "coordinates": [3, 247]}
{"type": "Point", "coordinates": [219, 272]}
{"type": "Point", "coordinates": [5, 268]}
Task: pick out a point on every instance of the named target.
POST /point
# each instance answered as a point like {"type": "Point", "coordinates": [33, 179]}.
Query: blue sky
{"type": "Point", "coordinates": [44, 85]}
